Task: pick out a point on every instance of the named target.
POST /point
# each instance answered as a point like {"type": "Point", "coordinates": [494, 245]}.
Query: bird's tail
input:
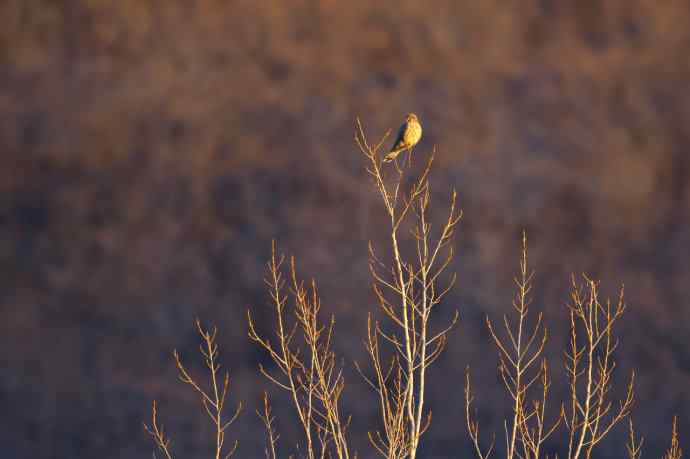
{"type": "Point", "coordinates": [392, 155]}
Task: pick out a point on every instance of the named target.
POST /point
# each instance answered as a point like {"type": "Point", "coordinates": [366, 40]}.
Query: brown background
{"type": "Point", "coordinates": [150, 151]}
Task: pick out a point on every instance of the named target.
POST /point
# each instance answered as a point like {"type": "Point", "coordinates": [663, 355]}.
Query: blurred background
{"type": "Point", "coordinates": [151, 150]}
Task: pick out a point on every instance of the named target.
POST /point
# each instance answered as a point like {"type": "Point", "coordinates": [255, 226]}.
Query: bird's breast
{"type": "Point", "coordinates": [413, 133]}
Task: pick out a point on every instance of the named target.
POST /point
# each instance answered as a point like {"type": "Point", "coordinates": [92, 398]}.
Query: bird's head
{"type": "Point", "coordinates": [411, 117]}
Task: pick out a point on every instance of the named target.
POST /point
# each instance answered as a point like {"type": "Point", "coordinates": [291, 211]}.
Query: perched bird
{"type": "Point", "coordinates": [408, 136]}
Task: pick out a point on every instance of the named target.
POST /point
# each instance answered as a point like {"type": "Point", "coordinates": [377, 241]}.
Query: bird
{"type": "Point", "coordinates": [409, 134]}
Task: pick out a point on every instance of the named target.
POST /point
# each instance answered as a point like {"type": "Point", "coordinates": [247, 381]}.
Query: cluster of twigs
{"type": "Point", "coordinates": [407, 291]}
{"type": "Point", "coordinates": [313, 380]}
{"type": "Point", "coordinates": [213, 399]}
{"type": "Point", "coordinates": [634, 446]}
{"type": "Point", "coordinates": [674, 451]}
{"type": "Point", "coordinates": [405, 343]}
{"type": "Point", "coordinates": [591, 416]}
{"type": "Point", "coordinates": [588, 414]}
{"type": "Point", "coordinates": [522, 368]}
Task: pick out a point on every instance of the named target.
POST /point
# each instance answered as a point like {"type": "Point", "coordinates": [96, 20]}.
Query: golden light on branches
{"type": "Point", "coordinates": [313, 380]}
{"type": "Point", "coordinates": [409, 283]}
{"type": "Point", "coordinates": [408, 289]}
{"type": "Point", "coordinates": [674, 452]}
{"type": "Point", "coordinates": [523, 369]}
{"type": "Point", "coordinates": [272, 437]}
{"type": "Point", "coordinates": [213, 399]}
{"type": "Point", "coordinates": [589, 367]}
{"type": "Point", "coordinates": [634, 446]}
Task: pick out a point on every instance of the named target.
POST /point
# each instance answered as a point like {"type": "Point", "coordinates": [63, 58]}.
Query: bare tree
{"type": "Point", "coordinates": [522, 367]}
{"type": "Point", "coordinates": [313, 380]}
{"type": "Point", "coordinates": [674, 452]}
{"type": "Point", "coordinates": [213, 399]}
{"type": "Point", "coordinates": [589, 366]}
{"type": "Point", "coordinates": [634, 446]}
{"type": "Point", "coordinates": [272, 437]}
{"type": "Point", "coordinates": [408, 290]}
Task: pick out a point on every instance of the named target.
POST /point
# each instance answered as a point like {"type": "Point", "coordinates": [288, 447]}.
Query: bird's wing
{"type": "Point", "coordinates": [400, 139]}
